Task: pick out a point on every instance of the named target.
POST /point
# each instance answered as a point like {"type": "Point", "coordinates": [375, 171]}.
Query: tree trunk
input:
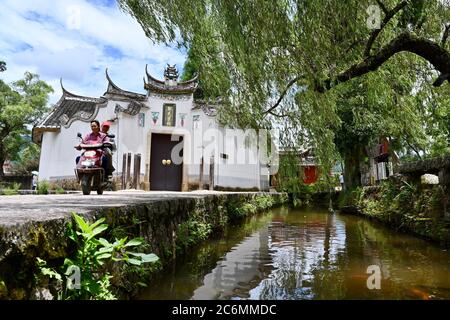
{"type": "Point", "coordinates": [352, 171]}
{"type": "Point", "coordinates": [3, 135]}
{"type": "Point", "coordinates": [2, 162]}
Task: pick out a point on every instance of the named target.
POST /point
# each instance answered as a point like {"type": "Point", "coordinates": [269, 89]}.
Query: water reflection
{"type": "Point", "coordinates": [239, 270]}
{"type": "Point", "coordinates": [301, 250]}
{"type": "Point", "coordinates": [308, 254]}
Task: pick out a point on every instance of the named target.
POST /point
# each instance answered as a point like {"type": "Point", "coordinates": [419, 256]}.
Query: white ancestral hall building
{"type": "Point", "coordinates": [166, 123]}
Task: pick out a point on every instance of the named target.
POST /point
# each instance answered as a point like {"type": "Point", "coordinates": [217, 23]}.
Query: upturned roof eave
{"type": "Point", "coordinates": [113, 89]}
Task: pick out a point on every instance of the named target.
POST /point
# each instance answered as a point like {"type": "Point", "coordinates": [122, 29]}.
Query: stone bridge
{"type": "Point", "coordinates": [439, 166]}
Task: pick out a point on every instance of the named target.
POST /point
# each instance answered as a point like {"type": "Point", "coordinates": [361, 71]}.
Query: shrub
{"type": "Point", "coordinates": [264, 202]}
{"type": "Point", "coordinates": [59, 190]}
{"type": "Point", "coordinates": [42, 187]}
{"type": "Point", "coordinates": [93, 254]}
{"type": "Point", "coordinates": [66, 184]}
{"type": "Point", "coordinates": [14, 190]}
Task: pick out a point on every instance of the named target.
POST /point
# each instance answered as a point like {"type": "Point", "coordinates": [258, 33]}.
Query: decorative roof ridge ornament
{"type": "Point", "coordinates": [169, 85]}
{"type": "Point", "coordinates": [171, 73]}
{"type": "Point", "coordinates": [69, 108]}
{"type": "Point", "coordinates": [133, 108]}
{"type": "Point", "coordinates": [65, 92]}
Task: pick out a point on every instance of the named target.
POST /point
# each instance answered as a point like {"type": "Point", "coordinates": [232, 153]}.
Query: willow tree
{"type": "Point", "coordinates": [288, 61]}
{"type": "Point", "coordinates": [377, 105]}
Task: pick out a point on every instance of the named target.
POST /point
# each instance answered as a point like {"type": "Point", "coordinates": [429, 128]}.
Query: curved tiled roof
{"type": "Point", "coordinates": [69, 108]}
{"type": "Point", "coordinates": [159, 86]}
{"type": "Point", "coordinates": [113, 89]}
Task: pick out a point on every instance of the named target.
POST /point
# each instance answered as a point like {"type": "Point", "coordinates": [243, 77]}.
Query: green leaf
{"type": "Point", "coordinates": [151, 257]}
{"type": "Point", "coordinates": [90, 257]}
{"type": "Point", "coordinates": [72, 233]}
{"type": "Point", "coordinates": [134, 261]}
{"type": "Point", "coordinates": [96, 223]}
{"type": "Point", "coordinates": [134, 242]}
{"type": "Point", "coordinates": [103, 256]}
{"type": "Point", "coordinates": [41, 262]}
{"type": "Point", "coordinates": [68, 262]}
{"type": "Point", "coordinates": [80, 223]}
{"type": "Point", "coordinates": [105, 249]}
{"type": "Point", "coordinates": [97, 231]}
{"type": "Point", "coordinates": [51, 273]}
{"type": "Point", "coordinates": [104, 242]}
{"type": "Point", "coordinates": [119, 243]}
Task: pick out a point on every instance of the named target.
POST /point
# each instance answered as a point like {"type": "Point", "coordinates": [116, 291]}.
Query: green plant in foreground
{"type": "Point", "coordinates": [92, 257]}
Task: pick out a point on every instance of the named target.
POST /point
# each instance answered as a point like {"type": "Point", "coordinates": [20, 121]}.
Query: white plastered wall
{"type": "Point", "coordinates": [240, 168]}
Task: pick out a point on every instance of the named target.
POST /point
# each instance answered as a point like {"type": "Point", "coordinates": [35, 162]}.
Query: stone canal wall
{"type": "Point", "coordinates": [422, 210]}
{"type": "Point", "coordinates": [170, 225]}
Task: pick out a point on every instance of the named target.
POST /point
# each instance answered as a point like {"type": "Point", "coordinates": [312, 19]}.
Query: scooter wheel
{"type": "Point", "coordinates": [86, 184]}
{"type": "Point", "coordinates": [100, 191]}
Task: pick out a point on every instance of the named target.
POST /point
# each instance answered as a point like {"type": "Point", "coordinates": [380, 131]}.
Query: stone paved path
{"type": "Point", "coordinates": [19, 209]}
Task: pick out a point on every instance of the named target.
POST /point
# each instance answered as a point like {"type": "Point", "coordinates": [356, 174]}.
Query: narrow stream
{"type": "Point", "coordinates": [307, 254]}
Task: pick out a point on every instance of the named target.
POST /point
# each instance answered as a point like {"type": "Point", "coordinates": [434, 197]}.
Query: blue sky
{"type": "Point", "coordinates": [76, 40]}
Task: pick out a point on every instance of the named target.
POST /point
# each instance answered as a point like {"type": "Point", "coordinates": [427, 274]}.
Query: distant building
{"type": "Point", "coordinates": [7, 167]}
{"type": "Point", "coordinates": [381, 162]}
{"type": "Point", "coordinates": [308, 168]}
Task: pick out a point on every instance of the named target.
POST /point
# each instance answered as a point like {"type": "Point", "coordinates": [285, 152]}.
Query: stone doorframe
{"type": "Point", "coordinates": [186, 147]}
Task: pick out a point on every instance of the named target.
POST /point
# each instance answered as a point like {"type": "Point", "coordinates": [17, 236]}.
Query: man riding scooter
{"type": "Point", "coordinates": [95, 137]}
{"type": "Point", "coordinates": [92, 165]}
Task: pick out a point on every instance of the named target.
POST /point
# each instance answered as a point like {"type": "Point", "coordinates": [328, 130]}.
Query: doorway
{"type": "Point", "coordinates": [165, 173]}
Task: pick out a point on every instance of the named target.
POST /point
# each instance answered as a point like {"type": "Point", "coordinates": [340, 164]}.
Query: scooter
{"type": "Point", "coordinates": [89, 170]}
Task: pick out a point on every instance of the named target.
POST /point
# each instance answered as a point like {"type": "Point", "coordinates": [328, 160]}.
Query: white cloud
{"type": "Point", "coordinates": [52, 64]}
{"type": "Point", "coordinates": [67, 39]}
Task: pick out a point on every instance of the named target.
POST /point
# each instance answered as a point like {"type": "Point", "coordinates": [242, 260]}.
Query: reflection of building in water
{"type": "Point", "coordinates": [283, 261]}
{"type": "Point", "coordinates": [241, 269]}
{"type": "Point", "coordinates": [301, 254]}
